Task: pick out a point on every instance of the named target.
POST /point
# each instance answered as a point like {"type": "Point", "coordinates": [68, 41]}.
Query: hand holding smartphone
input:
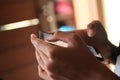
{"type": "Point", "coordinates": [45, 36]}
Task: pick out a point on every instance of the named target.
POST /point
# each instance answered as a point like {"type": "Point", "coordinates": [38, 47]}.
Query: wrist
{"type": "Point", "coordinates": [97, 72]}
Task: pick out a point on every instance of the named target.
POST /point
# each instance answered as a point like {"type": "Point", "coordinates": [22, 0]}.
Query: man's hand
{"type": "Point", "coordinates": [74, 62]}
{"type": "Point", "coordinates": [96, 36]}
{"type": "Point", "coordinates": [62, 63]}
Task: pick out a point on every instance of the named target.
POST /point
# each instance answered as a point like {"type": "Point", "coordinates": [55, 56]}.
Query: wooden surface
{"type": "Point", "coordinates": [17, 58]}
{"type": "Point", "coordinates": [16, 11]}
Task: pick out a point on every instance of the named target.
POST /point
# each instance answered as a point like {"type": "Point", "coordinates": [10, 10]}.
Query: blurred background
{"type": "Point", "coordinates": [20, 18]}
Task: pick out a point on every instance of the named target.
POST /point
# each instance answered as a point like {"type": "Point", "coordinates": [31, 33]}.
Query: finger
{"type": "Point", "coordinates": [41, 45]}
{"type": "Point", "coordinates": [43, 57]}
{"type": "Point", "coordinates": [71, 38]}
{"type": "Point", "coordinates": [42, 74]}
{"type": "Point", "coordinates": [40, 61]}
{"type": "Point", "coordinates": [59, 36]}
{"type": "Point", "coordinates": [91, 30]}
{"type": "Point", "coordinates": [100, 36]}
{"type": "Point", "coordinates": [42, 65]}
{"type": "Point", "coordinates": [96, 27]}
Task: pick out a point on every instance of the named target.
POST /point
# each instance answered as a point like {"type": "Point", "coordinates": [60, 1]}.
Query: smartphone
{"type": "Point", "coordinates": [45, 36]}
{"type": "Point", "coordinates": [95, 52]}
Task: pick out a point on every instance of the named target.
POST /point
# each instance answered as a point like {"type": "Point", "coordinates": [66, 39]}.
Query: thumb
{"type": "Point", "coordinates": [71, 38]}
{"type": "Point", "coordinates": [60, 36]}
{"type": "Point", "coordinates": [97, 28]}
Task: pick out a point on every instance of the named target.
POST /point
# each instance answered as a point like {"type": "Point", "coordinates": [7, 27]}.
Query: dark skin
{"type": "Point", "coordinates": [74, 62]}
{"type": "Point", "coordinates": [96, 35]}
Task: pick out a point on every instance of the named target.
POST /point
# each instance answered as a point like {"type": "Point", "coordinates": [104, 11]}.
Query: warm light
{"type": "Point", "coordinates": [85, 12]}
{"type": "Point", "coordinates": [20, 24]}
{"type": "Point", "coordinates": [82, 13]}
{"type": "Point", "coordinates": [112, 20]}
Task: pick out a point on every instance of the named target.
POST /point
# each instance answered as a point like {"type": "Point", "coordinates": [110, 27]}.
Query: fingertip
{"type": "Point", "coordinates": [33, 36]}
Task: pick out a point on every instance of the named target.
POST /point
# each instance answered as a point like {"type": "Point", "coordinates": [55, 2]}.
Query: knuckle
{"type": "Point", "coordinates": [57, 33]}
{"type": "Point", "coordinates": [49, 67]}
{"type": "Point", "coordinates": [73, 36]}
{"type": "Point", "coordinates": [37, 42]}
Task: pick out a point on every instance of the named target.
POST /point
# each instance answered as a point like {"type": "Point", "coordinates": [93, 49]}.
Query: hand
{"type": "Point", "coordinates": [74, 62]}
{"type": "Point", "coordinates": [64, 63]}
{"type": "Point", "coordinates": [96, 36]}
